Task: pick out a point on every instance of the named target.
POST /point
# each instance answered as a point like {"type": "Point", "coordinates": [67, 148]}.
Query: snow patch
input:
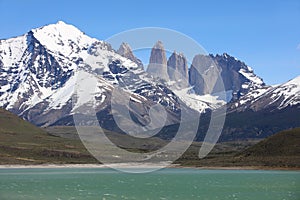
{"type": "Point", "coordinates": [250, 76]}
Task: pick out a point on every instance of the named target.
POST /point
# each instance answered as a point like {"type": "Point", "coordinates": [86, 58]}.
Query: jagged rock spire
{"type": "Point", "coordinates": [178, 68]}
{"type": "Point", "coordinates": [125, 51]}
{"type": "Point", "coordinates": [158, 62]}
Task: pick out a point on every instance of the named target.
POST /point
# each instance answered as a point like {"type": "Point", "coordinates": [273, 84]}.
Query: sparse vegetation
{"type": "Point", "coordinates": [24, 143]}
{"type": "Point", "coordinates": [280, 150]}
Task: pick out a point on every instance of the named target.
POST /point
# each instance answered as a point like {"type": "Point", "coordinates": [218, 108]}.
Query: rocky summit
{"type": "Point", "coordinates": [158, 62]}
{"type": "Point", "coordinates": [178, 68]}
{"type": "Point", "coordinates": [39, 73]}
{"type": "Point", "coordinates": [125, 51]}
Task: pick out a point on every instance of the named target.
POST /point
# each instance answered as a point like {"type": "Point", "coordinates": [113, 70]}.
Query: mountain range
{"type": "Point", "coordinates": [39, 72]}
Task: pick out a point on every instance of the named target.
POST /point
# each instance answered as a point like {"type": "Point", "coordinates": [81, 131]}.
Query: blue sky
{"type": "Point", "coordinates": [263, 34]}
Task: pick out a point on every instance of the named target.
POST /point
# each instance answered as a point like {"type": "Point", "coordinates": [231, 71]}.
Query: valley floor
{"type": "Point", "coordinates": [56, 150]}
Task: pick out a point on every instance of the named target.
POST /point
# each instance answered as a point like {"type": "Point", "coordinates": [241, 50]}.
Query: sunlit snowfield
{"type": "Point", "coordinates": [164, 184]}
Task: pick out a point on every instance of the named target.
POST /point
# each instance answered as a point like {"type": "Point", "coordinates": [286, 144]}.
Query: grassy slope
{"type": "Point", "coordinates": [24, 143]}
{"type": "Point", "coordinates": [279, 150]}
{"type": "Point", "coordinates": [10, 123]}
{"type": "Point", "coordinates": [285, 143]}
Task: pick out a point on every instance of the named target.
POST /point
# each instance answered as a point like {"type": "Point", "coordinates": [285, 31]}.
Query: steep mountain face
{"type": "Point", "coordinates": [158, 62]}
{"type": "Point", "coordinates": [40, 70]}
{"type": "Point", "coordinates": [39, 67]}
{"type": "Point", "coordinates": [276, 97]}
{"type": "Point", "coordinates": [201, 87]}
{"type": "Point", "coordinates": [38, 63]}
{"type": "Point", "coordinates": [236, 75]}
{"type": "Point", "coordinates": [203, 74]}
{"type": "Point", "coordinates": [262, 112]}
{"type": "Point", "coordinates": [178, 68]}
{"type": "Point", "coordinates": [125, 51]}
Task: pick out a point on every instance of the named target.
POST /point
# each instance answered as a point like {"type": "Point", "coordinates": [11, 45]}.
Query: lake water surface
{"type": "Point", "coordinates": [183, 184]}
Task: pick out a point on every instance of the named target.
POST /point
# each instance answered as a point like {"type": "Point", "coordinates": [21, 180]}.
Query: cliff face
{"type": "Point", "coordinates": [203, 74]}
{"type": "Point", "coordinates": [237, 77]}
{"type": "Point", "coordinates": [178, 68]}
{"type": "Point", "coordinates": [158, 62]}
{"type": "Point", "coordinates": [126, 51]}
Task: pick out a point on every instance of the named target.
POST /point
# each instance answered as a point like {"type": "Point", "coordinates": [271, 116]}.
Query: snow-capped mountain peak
{"type": "Point", "coordinates": [37, 64]}
{"type": "Point", "coordinates": [288, 92]}
{"type": "Point", "coordinates": [63, 38]}
{"type": "Point", "coordinates": [294, 81]}
{"type": "Point", "coordinates": [38, 72]}
{"type": "Point", "coordinates": [272, 97]}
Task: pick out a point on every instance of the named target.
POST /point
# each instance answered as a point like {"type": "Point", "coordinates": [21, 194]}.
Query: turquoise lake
{"type": "Point", "coordinates": [183, 184]}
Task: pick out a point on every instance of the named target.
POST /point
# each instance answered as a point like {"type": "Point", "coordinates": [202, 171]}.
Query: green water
{"type": "Point", "coordinates": [171, 184]}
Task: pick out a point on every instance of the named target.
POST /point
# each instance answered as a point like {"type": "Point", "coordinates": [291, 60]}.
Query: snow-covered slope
{"type": "Point", "coordinates": [290, 92]}
{"type": "Point", "coordinates": [271, 97]}
{"type": "Point", "coordinates": [39, 69]}
{"type": "Point", "coordinates": [200, 103]}
{"type": "Point", "coordinates": [32, 71]}
{"type": "Point", "coordinates": [63, 39]}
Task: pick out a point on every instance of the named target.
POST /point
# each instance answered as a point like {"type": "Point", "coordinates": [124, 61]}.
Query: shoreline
{"type": "Point", "coordinates": [128, 165]}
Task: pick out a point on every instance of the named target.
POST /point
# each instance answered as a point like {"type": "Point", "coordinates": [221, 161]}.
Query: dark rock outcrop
{"type": "Point", "coordinates": [125, 51]}
{"type": "Point", "coordinates": [236, 76]}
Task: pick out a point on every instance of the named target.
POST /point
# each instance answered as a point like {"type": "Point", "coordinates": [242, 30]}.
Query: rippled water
{"type": "Point", "coordinates": [164, 184]}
